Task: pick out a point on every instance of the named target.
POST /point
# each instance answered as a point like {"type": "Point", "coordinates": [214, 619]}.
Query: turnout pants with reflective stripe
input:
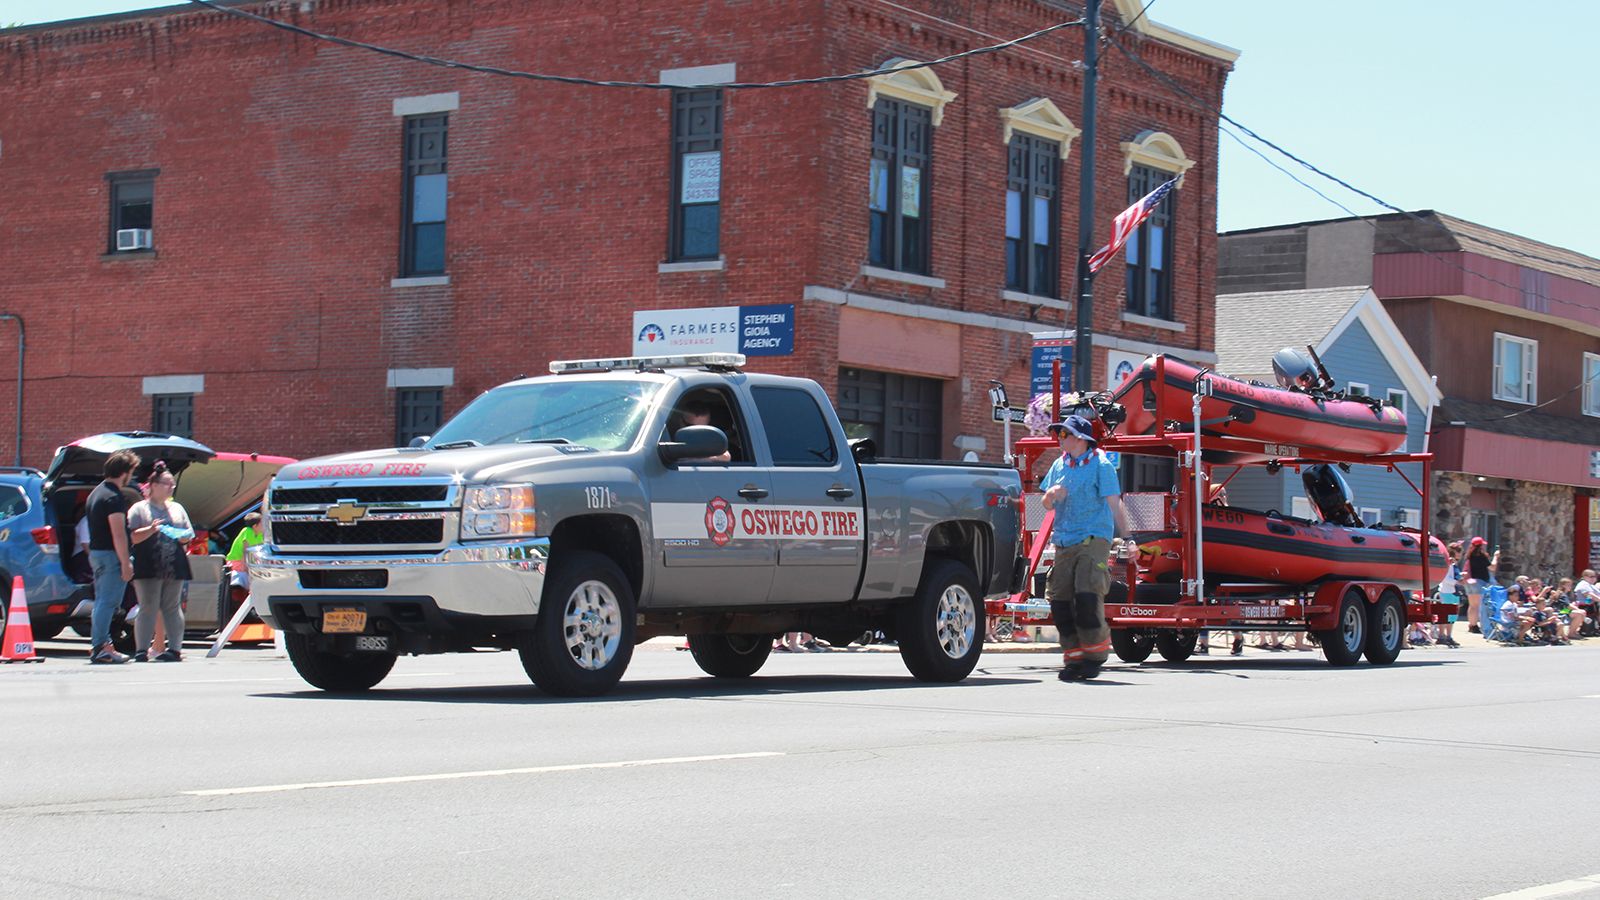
{"type": "Point", "coordinates": [1076, 588]}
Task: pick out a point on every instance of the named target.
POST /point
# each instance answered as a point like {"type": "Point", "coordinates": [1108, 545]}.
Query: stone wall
{"type": "Point", "coordinates": [1536, 522]}
{"type": "Point", "coordinates": [1452, 506]}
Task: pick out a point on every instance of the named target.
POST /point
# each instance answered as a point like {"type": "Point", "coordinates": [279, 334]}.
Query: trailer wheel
{"type": "Point", "coordinates": [1386, 629]}
{"type": "Point", "coordinates": [582, 641]}
{"type": "Point", "coordinates": [335, 671]}
{"type": "Point", "coordinates": [1132, 644]}
{"type": "Point", "coordinates": [1344, 644]}
{"type": "Point", "coordinates": [939, 627]}
{"type": "Point", "coordinates": [1176, 646]}
{"type": "Point", "coordinates": [730, 655]}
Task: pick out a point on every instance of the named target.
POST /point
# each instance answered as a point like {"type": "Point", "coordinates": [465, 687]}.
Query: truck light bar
{"type": "Point", "coordinates": [713, 361]}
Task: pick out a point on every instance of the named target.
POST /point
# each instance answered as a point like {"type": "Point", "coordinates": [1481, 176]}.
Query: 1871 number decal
{"type": "Point", "coordinates": [599, 497]}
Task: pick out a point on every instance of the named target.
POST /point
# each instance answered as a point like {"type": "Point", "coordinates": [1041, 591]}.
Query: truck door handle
{"type": "Point", "coordinates": [751, 492]}
{"type": "Point", "coordinates": [838, 492]}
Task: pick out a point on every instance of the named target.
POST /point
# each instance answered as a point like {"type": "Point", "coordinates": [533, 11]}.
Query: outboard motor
{"type": "Point", "coordinates": [1329, 493]}
{"type": "Point", "coordinates": [1293, 370]}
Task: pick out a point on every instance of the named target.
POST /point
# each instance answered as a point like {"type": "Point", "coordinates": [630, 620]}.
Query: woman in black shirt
{"type": "Point", "coordinates": [1480, 577]}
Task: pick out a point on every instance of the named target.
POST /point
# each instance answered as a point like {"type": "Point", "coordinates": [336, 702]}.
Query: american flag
{"type": "Point", "coordinates": [1129, 221]}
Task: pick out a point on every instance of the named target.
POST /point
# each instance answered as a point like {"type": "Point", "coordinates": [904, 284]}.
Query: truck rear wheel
{"type": "Point", "coordinates": [730, 655]}
{"type": "Point", "coordinates": [583, 639]}
{"type": "Point", "coordinates": [1386, 629]}
{"type": "Point", "coordinates": [336, 671]}
{"type": "Point", "coordinates": [1176, 646]}
{"type": "Point", "coordinates": [1132, 644]}
{"type": "Point", "coordinates": [938, 626]}
{"type": "Point", "coordinates": [1344, 644]}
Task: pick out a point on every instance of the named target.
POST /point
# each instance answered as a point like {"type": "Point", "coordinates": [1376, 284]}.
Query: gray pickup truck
{"type": "Point", "coordinates": [571, 516]}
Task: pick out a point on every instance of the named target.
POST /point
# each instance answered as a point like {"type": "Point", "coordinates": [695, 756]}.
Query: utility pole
{"type": "Point", "coordinates": [1083, 344]}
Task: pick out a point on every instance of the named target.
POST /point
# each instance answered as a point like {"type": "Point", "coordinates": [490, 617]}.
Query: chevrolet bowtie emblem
{"type": "Point", "coordinates": [346, 512]}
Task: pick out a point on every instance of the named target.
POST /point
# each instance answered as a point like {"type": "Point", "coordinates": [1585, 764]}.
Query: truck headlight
{"type": "Point", "coordinates": [498, 510]}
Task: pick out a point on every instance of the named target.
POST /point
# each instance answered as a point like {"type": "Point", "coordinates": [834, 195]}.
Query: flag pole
{"type": "Point", "coordinates": [1083, 342]}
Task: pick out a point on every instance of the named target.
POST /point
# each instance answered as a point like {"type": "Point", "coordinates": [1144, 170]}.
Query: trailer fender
{"type": "Point", "coordinates": [1323, 615]}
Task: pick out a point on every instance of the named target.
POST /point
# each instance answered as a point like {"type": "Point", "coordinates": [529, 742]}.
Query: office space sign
{"type": "Point", "coordinates": [751, 330]}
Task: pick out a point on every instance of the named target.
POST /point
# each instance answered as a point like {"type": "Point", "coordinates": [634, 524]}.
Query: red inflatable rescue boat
{"type": "Point", "coordinates": [1243, 545]}
{"type": "Point", "coordinates": [1300, 418]}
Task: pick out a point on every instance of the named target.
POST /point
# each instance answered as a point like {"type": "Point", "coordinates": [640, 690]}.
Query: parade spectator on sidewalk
{"type": "Point", "coordinates": [161, 534]}
{"type": "Point", "coordinates": [1082, 487]}
{"type": "Point", "coordinates": [107, 511]}
{"type": "Point", "coordinates": [1480, 577]}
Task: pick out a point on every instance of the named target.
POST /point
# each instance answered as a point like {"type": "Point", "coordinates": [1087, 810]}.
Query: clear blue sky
{"type": "Point", "coordinates": [1483, 110]}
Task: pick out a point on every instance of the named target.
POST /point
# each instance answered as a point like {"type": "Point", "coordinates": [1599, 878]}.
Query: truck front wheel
{"type": "Point", "coordinates": [730, 655]}
{"type": "Point", "coordinates": [938, 627]}
{"type": "Point", "coordinates": [583, 639]}
{"type": "Point", "coordinates": [334, 671]}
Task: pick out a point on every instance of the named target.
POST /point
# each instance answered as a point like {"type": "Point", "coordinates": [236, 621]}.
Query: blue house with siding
{"type": "Point", "coordinates": [1364, 353]}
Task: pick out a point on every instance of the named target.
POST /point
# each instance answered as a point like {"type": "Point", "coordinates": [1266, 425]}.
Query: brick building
{"type": "Point", "coordinates": [1510, 328]}
{"type": "Point", "coordinates": [277, 244]}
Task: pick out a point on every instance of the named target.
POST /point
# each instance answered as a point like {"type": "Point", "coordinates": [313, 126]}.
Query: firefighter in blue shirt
{"type": "Point", "coordinates": [1082, 488]}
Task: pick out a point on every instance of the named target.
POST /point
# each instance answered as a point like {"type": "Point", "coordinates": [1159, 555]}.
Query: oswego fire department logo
{"type": "Point", "coordinates": [719, 521]}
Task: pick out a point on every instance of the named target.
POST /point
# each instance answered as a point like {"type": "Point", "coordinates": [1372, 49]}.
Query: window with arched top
{"type": "Point", "coordinates": [1038, 138]}
{"type": "Point", "coordinates": [906, 105]}
{"type": "Point", "coordinates": [1151, 160]}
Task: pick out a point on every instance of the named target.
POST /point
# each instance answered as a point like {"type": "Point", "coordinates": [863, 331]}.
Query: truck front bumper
{"type": "Point", "coordinates": [484, 586]}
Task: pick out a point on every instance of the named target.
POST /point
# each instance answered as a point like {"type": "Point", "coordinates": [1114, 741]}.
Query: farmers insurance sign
{"type": "Point", "coordinates": [751, 330]}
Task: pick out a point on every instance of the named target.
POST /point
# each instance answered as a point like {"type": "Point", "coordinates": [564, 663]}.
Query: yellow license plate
{"type": "Point", "coordinates": [343, 621]}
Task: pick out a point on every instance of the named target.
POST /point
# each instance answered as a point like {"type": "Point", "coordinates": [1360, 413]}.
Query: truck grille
{"type": "Point", "coordinates": [390, 531]}
{"type": "Point", "coordinates": [373, 494]}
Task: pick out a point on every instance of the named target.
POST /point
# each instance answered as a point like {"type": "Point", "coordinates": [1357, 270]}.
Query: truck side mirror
{"type": "Point", "coordinates": [863, 448]}
{"type": "Point", "coordinates": [420, 440]}
{"type": "Point", "coordinates": [694, 442]}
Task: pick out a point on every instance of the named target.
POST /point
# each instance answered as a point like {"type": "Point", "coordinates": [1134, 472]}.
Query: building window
{"type": "Point", "coordinates": [902, 414]}
{"type": "Point", "coordinates": [1357, 389]}
{"type": "Point", "coordinates": [1371, 516]}
{"type": "Point", "coordinates": [1396, 398]}
{"type": "Point", "coordinates": [696, 174]}
{"type": "Point", "coordinates": [1591, 384]}
{"type": "Point", "coordinates": [1149, 249]}
{"type": "Point", "coordinates": [131, 225]}
{"type": "Point", "coordinates": [1033, 177]}
{"type": "Point", "coordinates": [1516, 362]}
{"type": "Point", "coordinates": [426, 193]}
{"type": "Point", "coordinates": [898, 186]}
{"type": "Point", "coordinates": [174, 414]}
{"type": "Point", "coordinates": [417, 413]}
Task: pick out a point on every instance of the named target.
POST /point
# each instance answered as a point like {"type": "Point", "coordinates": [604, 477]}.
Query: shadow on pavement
{"type": "Point", "coordinates": [655, 689]}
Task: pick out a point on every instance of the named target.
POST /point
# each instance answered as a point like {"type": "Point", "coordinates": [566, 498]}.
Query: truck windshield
{"type": "Point", "coordinates": [605, 415]}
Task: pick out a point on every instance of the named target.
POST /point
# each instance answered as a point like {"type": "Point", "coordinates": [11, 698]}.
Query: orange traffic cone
{"type": "Point", "coordinates": [19, 629]}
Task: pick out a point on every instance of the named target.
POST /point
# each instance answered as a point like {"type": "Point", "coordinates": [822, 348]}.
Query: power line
{"type": "Point", "coordinates": [1439, 225]}
{"type": "Point", "coordinates": [590, 82]}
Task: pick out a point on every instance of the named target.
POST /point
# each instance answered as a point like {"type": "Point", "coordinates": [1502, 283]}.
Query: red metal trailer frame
{"type": "Point", "coordinates": [1320, 609]}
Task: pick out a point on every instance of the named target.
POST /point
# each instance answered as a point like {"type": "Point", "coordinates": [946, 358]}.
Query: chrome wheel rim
{"type": "Point", "coordinates": [1392, 626]}
{"type": "Point", "coordinates": [1354, 619]}
{"type": "Point", "coordinates": [956, 621]}
{"type": "Point", "coordinates": [592, 625]}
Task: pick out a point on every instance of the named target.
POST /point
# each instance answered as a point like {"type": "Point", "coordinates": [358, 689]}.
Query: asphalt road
{"type": "Point", "coordinates": [1453, 774]}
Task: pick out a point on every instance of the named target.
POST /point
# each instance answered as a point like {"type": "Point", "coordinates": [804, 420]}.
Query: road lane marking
{"type": "Point", "coordinates": [487, 773]}
{"type": "Point", "coordinates": [1556, 889]}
